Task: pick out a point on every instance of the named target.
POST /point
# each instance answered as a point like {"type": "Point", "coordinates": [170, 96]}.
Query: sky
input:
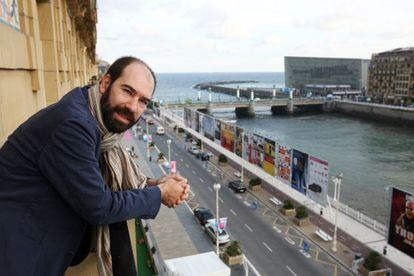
{"type": "Point", "coordinates": [246, 35]}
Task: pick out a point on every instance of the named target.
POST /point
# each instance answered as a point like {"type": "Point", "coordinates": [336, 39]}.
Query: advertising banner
{"type": "Point", "coordinates": [284, 163]}
{"type": "Point", "coordinates": [9, 13]}
{"type": "Point", "coordinates": [195, 123]}
{"type": "Point", "coordinates": [200, 122]}
{"type": "Point", "coordinates": [401, 227]}
{"type": "Point", "coordinates": [238, 143]}
{"type": "Point", "coordinates": [269, 156]}
{"type": "Point", "coordinates": [256, 150]}
{"type": "Point", "coordinates": [318, 180]}
{"type": "Point", "coordinates": [208, 127]}
{"type": "Point", "coordinates": [299, 171]}
{"type": "Point", "coordinates": [187, 117]}
{"type": "Point", "coordinates": [227, 136]}
{"type": "Point", "coordinates": [217, 131]}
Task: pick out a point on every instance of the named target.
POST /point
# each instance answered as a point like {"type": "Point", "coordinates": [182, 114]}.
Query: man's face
{"type": "Point", "coordinates": [409, 210]}
{"type": "Point", "coordinates": [124, 100]}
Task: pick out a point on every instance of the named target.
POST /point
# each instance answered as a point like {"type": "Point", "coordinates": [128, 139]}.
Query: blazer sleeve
{"type": "Point", "coordinates": [69, 163]}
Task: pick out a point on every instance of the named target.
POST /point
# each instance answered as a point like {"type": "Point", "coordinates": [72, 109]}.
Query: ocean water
{"type": "Point", "coordinates": [371, 155]}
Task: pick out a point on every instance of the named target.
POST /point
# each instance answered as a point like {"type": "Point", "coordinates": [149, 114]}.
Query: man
{"type": "Point", "coordinates": [65, 169]}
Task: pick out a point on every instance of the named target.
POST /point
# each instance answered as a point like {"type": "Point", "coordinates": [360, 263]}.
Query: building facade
{"type": "Point", "coordinates": [304, 71]}
{"type": "Point", "coordinates": [391, 76]}
{"type": "Point", "coordinates": [47, 48]}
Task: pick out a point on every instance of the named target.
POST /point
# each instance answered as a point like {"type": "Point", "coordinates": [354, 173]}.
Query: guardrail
{"type": "Point", "coordinates": [378, 105]}
{"type": "Point", "coordinates": [195, 102]}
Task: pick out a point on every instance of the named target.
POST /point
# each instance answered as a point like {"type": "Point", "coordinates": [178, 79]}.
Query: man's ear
{"type": "Point", "coordinates": [104, 84]}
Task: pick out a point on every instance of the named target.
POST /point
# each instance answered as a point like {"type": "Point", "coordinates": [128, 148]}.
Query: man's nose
{"type": "Point", "coordinates": [133, 105]}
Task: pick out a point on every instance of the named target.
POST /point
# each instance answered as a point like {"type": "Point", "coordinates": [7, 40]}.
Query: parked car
{"type": "Point", "coordinates": [160, 130]}
{"type": "Point", "coordinates": [203, 156]}
{"type": "Point", "coordinates": [194, 150]}
{"type": "Point", "coordinates": [203, 215]}
{"type": "Point", "coordinates": [150, 121]}
{"type": "Point", "coordinates": [237, 174]}
{"type": "Point", "coordinates": [237, 186]}
{"type": "Point", "coordinates": [211, 230]}
{"type": "Point", "coordinates": [209, 154]}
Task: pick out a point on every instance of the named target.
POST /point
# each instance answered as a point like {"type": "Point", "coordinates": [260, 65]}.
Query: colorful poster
{"type": "Point", "coordinates": [238, 142]}
{"type": "Point", "coordinates": [208, 127]}
{"type": "Point", "coordinates": [269, 156]}
{"type": "Point", "coordinates": [256, 150]}
{"type": "Point", "coordinates": [227, 136]}
{"type": "Point", "coordinates": [401, 227]}
{"type": "Point", "coordinates": [299, 171]}
{"type": "Point", "coordinates": [9, 13]}
{"type": "Point", "coordinates": [187, 117]}
{"type": "Point", "coordinates": [318, 180]}
{"type": "Point", "coordinates": [195, 124]}
{"type": "Point", "coordinates": [217, 131]}
{"type": "Point", "coordinates": [284, 163]}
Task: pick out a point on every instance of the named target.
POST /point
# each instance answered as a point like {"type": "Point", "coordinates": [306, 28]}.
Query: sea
{"type": "Point", "coordinates": [373, 156]}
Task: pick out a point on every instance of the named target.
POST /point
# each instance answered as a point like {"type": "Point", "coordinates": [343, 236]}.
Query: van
{"type": "Point", "coordinates": [160, 130]}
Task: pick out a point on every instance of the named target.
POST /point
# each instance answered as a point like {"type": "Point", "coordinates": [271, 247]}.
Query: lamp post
{"type": "Point", "coordinates": [242, 155]}
{"type": "Point", "coordinates": [216, 187]}
{"type": "Point", "coordinates": [337, 180]}
{"type": "Point", "coordinates": [148, 153]}
{"type": "Point", "coordinates": [169, 151]}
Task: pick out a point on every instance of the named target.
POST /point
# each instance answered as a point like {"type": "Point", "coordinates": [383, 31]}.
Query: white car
{"type": "Point", "coordinates": [210, 228]}
{"type": "Point", "coordinates": [160, 130]}
{"type": "Point", "coordinates": [237, 174]}
{"type": "Point", "coordinates": [194, 150]}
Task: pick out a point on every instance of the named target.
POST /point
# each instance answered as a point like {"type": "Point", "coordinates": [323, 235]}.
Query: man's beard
{"type": "Point", "coordinates": [112, 124]}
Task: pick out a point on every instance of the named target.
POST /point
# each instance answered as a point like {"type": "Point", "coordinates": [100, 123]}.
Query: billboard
{"type": "Point", "coordinates": [238, 142]}
{"type": "Point", "coordinates": [299, 171]}
{"type": "Point", "coordinates": [208, 127]}
{"type": "Point", "coordinates": [401, 223]}
{"type": "Point", "coordinates": [217, 131]}
{"type": "Point", "coordinates": [284, 163]}
{"type": "Point", "coordinates": [187, 117]}
{"type": "Point", "coordinates": [318, 180]}
{"type": "Point", "coordinates": [195, 123]}
{"type": "Point", "coordinates": [269, 156]}
{"type": "Point", "coordinates": [255, 150]}
{"type": "Point", "coordinates": [227, 136]}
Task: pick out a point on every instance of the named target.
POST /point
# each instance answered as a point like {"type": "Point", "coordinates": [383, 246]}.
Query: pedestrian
{"type": "Point", "coordinates": [64, 172]}
{"type": "Point", "coordinates": [321, 211]}
{"type": "Point", "coordinates": [384, 250]}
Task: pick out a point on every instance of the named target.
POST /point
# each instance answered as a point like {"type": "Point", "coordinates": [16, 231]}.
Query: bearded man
{"type": "Point", "coordinates": [64, 171]}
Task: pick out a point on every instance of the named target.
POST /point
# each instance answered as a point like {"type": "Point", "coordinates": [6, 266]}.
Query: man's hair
{"type": "Point", "coordinates": [116, 68]}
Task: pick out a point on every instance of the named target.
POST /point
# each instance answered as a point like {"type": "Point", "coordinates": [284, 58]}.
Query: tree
{"type": "Point", "coordinates": [234, 249]}
{"type": "Point", "coordinates": [287, 204]}
{"type": "Point", "coordinates": [301, 212]}
{"type": "Point", "coordinates": [255, 182]}
{"type": "Point", "coordinates": [372, 261]}
{"type": "Point", "coordinates": [222, 158]}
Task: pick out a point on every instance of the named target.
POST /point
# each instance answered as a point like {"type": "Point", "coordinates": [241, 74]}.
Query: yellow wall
{"type": "Point", "coordinates": [43, 60]}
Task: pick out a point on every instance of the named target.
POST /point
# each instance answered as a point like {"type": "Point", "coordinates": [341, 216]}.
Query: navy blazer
{"type": "Point", "coordinates": [51, 188]}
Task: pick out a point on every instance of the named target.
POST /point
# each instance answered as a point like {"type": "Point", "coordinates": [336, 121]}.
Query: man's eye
{"type": "Point", "coordinates": [128, 91]}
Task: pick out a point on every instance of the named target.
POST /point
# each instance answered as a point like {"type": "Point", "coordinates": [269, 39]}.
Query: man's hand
{"type": "Point", "coordinates": [174, 190]}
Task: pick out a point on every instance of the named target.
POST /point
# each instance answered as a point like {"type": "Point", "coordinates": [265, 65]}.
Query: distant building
{"type": "Point", "coordinates": [391, 76]}
{"type": "Point", "coordinates": [303, 72]}
{"type": "Point", "coordinates": [102, 68]}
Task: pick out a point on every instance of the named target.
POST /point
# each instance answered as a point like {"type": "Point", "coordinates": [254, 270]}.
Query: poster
{"type": "Point", "coordinates": [9, 13]}
{"type": "Point", "coordinates": [217, 131]}
{"type": "Point", "coordinates": [187, 117]}
{"type": "Point", "coordinates": [318, 180]}
{"type": "Point", "coordinates": [299, 171]}
{"type": "Point", "coordinates": [256, 150]}
{"type": "Point", "coordinates": [227, 136]}
{"type": "Point", "coordinates": [238, 141]}
{"type": "Point", "coordinates": [269, 156]}
{"type": "Point", "coordinates": [195, 122]}
{"type": "Point", "coordinates": [284, 163]}
{"type": "Point", "coordinates": [200, 122]}
{"type": "Point", "coordinates": [208, 127]}
{"type": "Point", "coordinates": [401, 223]}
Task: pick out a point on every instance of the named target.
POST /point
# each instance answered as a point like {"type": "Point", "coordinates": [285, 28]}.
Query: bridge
{"type": "Point", "coordinates": [245, 108]}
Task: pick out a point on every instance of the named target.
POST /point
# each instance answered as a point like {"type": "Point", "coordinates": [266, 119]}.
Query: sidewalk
{"type": "Point", "coordinates": [367, 239]}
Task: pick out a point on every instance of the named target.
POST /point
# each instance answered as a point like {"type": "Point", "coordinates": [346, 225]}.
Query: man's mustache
{"type": "Point", "coordinates": [125, 112]}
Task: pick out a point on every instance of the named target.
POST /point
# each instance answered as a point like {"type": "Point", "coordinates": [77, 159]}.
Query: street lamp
{"type": "Point", "coordinates": [337, 180]}
{"type": "Point", "coordinates": [216, 187]}
{"type": "Point", "coordinates": [242, 162]}
{"type": "Point", "coordinates": [148, 153]}
{"type": "Point", "coordinates": [169, 151]}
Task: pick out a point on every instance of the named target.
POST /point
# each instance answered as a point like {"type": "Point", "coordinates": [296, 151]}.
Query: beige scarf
{"type": "Point", "coordinates": [119, 172]}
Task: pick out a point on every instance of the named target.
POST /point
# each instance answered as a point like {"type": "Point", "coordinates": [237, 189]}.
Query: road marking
{"type": "Point", "coordinates": [277, 229]}
{"type": "Point", "coordinates": [247, 226]}
{"type": "Point", "coordinates": [187, 165]}
{"type": "Point", "coordinates": [213, 174]}
{"type": "Point", "coordinates": [291, 271]}
{"type": "Point", "coordinates": [201, 180]}
{"type": "Point", "coordinates": [239, 196]}
{"type": "Point", "coordinates": [234, 213]}
{"type": "Point", "coordinates": [181, 160]}
{"type": "Point", "coordinates": [194, 172]}
{"type": "Point", "coordinates": [221, 200]}
{"type": "Point", "coordinates": [251, 266]}
{"type": "Point", "coordinates": [210, 189]}
{"type": "Point", "coordinates": [289, 240]}
{"type": "Point", "coordinates": [268, 248]}
{"type": "Point", "coordinates": [246, 203]}
{"type": "Point", "coordinates": [306, 254]}
{"type": "Point", "coordinates": [355, 247]}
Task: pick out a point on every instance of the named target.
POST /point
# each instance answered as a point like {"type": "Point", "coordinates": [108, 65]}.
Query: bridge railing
{"type": "Point", "coordinates": [378, 105]}
{"type": "Point", "coordinates": [241, 100]}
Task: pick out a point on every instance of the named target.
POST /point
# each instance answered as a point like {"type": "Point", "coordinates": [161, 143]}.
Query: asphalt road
{"type": "Point", "coordinates": [270, 252]}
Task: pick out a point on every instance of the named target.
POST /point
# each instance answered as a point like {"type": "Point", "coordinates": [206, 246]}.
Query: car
{"type": "Point", "coordinates": [237, 174]}
{"type": "Point", "coordinates": [209, 154]}
{"type": "Point", "coordinates": [203, 215]}
{"type": "Point", "coordinates": [160, 130]}
{"type": "Point", "coordinates": [203, 156]}
{"type": "Point", "coordinates": [194, 150]}
{"type": "Point", "coordinates": [211, 230]}
{"type": "Point", "coordinates": [237, 186]}
{"type": "Point", "coordinates": [150, 121]}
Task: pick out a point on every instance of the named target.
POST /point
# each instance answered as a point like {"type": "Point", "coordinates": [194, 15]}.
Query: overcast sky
{"type": "Point", "coordinates": [251, 35]}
